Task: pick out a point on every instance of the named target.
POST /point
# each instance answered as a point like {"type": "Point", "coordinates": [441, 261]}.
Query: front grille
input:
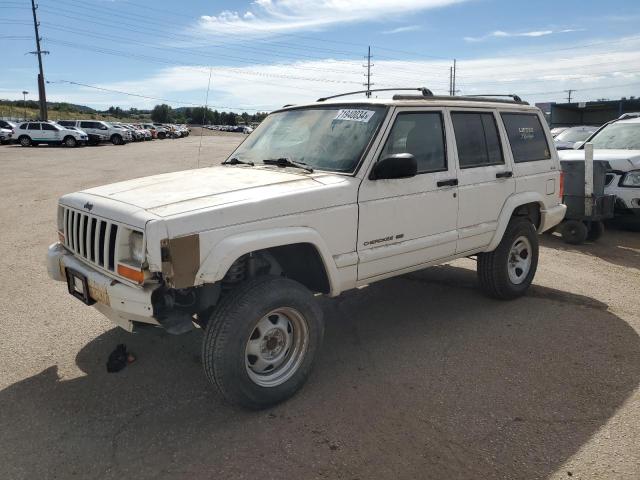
{"type": "Point", "coordinates": [91, 238]}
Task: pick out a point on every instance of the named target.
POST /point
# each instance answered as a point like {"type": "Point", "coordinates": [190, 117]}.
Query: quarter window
{"type": "Point", "coordinates": [526, 136]}
{"type": "Point", "coordinates": [422, 135]}
{"type": "Point", "coordinates": [477, 139]}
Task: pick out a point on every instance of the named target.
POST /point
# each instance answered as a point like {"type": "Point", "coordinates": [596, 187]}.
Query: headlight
{"type": "Point", "coordinates": [631, 179]}
{"type": "Point", "coordinates": [136, 247]}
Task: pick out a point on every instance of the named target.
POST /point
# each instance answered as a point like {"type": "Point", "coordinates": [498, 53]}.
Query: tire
{"type": "Point", "coordinates": [162, 135]}
{"type": "Point", "coordinates": [247, 379]}
{"type": "Point", "coordinates": [574, 232]}
{"type": "Point", "coordinates": [596, 230]}
{"type": "Point", "coordinates": [116, 139]}
{"type": "Point", "coordinates": [24, 141]}
{"type": "Point", "coordinates": [507, 272]}
{"type": "Point", "coordinates": [70, 142]}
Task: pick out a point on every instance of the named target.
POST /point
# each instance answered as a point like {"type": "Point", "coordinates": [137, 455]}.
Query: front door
{"type": "Point", "coordinates": [404, 223]}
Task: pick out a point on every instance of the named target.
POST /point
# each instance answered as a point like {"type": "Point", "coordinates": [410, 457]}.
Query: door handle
{"type": "Point", "coordinates": [448, 183]}
{"type": "Point", "coordinates": [504, 175]}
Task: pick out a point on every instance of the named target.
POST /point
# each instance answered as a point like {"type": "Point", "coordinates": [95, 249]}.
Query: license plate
{"type": "Point", "coordinates": [79, 286]}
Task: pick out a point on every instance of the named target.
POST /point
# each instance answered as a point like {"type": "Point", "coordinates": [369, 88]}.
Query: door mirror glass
{"type": "Point", "coordinates": [398, 165]}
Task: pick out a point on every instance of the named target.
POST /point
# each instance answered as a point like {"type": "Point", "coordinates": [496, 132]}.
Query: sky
{"type": "Point", "coordinates": [259, 55]}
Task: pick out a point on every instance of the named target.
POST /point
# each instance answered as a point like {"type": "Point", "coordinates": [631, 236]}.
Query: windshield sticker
{"type": "Point", "coordinates": [355, 115]}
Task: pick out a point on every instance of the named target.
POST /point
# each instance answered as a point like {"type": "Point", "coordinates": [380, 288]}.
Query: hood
{"type": "Point", "coordinates": [205, 188]}
{"type": "Point", "coordinates": [623, 160]}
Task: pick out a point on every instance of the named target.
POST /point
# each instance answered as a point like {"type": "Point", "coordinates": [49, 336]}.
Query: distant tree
{"type": "Point", "coordinates": [162, 113]}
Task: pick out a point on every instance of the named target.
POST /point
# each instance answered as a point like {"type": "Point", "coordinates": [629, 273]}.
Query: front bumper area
{"type": "Point", "coordinates": [121, 303]}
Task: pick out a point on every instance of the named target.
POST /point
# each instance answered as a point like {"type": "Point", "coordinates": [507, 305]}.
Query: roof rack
{"type": "Point", "coordinates": [514, 97]}
{"type": "Point", "coordinates": [425, 92]}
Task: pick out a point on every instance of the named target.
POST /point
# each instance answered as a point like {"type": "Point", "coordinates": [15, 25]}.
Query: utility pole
{"type": "Point", "coordinates": [41, 90]}
{"type": "Point", "coordinates": [453, 81]}
{"type": "Point", "coordinates": [569, 92]}
{"type": "Point", "coordinates": [24, 102]}
{"type": "Point", "coordinates": [450, 81]}
{"type": "Point", "coordinates": [368, 74]}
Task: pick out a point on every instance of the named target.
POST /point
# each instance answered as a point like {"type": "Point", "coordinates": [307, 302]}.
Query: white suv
{"type": "Point", "coordinates": [113, 134]}
{"type": "Point", "coordinates": [319, 199]}
{"type": "Point", "coordinates": [35, 133]}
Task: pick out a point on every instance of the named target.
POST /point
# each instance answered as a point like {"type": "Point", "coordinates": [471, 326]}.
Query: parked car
{"type": "Point", "coordinates": [35, 133]}
{"type": "Point", "coordinates": [93, 139]}
{"type": "Point", "coordinates": [570, 137]}
{"type": "Point", "coordinates": [151, 128]}
{"type": "Point", "coordinates": [5, 135]}
{"type": "Point", "coordinates": [618, 143]}
{"type": "Point", "coordinates": [117, 136]}
{"type": "Point", "coordinates": [9, 126]}
{"type": "Point", "coordinates": [163, 130]}
{"type": "Point", "coordinates": [320, 199]}
{"type": "Point", "coordinates": [557, 131]}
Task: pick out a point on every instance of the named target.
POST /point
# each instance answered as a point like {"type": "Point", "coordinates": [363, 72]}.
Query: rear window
{"type": "Point", "coordinates": [526, 136]}
{"type": "Point", "coordinates": [477, 139]}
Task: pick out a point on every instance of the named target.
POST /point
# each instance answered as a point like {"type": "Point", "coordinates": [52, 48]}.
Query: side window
{"type": "Point", "coordinates": [422, 135]}
{"type": "Point", "coordinates": [47, 126]}
{"type": "Point", "coordinates": [87, 125]}
{"type": "Point", "coordinates": [23, 126]}
{"type": "Point", "coordinates": [34, 126]}
{"type": "Point", "coordinates": [526, 136]}
{"type": "Point", "coordinates": [477, 139]}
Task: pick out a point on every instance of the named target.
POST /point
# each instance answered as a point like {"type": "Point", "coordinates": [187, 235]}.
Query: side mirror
{"type": "Point", "coordinates": [398, 165]}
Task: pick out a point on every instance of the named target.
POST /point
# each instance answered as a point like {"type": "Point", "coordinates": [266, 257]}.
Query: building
{"type": "Point", "coordinates": [588, 113]}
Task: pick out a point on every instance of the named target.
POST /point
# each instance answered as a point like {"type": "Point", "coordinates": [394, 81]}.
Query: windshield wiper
{"type": "Point", "coordinates": [237, 161]}
{"type": "Point", "coordinates": [287, 162]}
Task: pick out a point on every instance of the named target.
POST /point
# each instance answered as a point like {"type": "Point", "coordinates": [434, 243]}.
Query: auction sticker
{"type": "Point", "coordinates": [355, 115]}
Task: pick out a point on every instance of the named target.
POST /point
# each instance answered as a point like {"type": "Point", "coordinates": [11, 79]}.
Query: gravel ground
{"type": "Point", "coordinates": [420, 376]}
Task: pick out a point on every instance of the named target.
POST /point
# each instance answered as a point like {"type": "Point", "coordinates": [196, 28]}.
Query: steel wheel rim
{"type": "Point", "coordinates": [519, 262]}
{"type": "Point", "coordinates": [276, 347]}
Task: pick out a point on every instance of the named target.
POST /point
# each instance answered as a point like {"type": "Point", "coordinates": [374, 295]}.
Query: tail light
{"type": "Point", "coordinates": [561, 189]}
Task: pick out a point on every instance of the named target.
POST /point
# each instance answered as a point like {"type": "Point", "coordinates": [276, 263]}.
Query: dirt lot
{"type": "Point", "coordinates": [420, 376]}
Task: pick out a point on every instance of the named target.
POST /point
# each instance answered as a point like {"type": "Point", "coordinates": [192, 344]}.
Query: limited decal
{"type": "Point", "coordinates": [355, 115]}
{"type": "Point", "coordinates": [526, 133]}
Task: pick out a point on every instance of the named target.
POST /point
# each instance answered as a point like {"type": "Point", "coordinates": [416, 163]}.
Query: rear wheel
{"type": "Point", "coordinates": [25, 141]}
{"type": "Point", "coordinates": [162, 135]}
{"type": "Point", "coordinates": [574, 232]}
{"type": "Point", "coordinates": [70, 142]}
{"type": "Point", "coordinates": [261, 341]}
{"type": "Point", "coordinates": [508, 271]}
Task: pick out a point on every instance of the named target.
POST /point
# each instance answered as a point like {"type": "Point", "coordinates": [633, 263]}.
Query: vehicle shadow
{"type": "Point", "coordinates": [617, 246]}
{"type": "Point", "coordinates": [420, 377]}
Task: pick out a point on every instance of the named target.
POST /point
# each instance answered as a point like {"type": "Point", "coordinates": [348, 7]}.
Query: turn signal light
{"type": "Point", "coordinates": [131, 273]}
{"type": "Point", "coordinates": [561, 189]}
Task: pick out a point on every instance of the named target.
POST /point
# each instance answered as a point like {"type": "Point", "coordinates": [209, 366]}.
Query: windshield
{"type": "Point", "coordinates": [624, 136]}
{"type": "Point", "coordinates": [572, 135]}
{"type": "Point", "coordinates": [328, 138]}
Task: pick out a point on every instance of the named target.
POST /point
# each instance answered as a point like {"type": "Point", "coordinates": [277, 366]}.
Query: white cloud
{"type": "Point", "coordinates": [532, 34]}
{"type": "Point", "coordinates": [272, 17]}
{"type": "Point", "coordinates": [408, 28]}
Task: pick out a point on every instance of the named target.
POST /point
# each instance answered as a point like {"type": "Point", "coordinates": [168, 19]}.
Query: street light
{"type": "Point", "coordinates": [24, 99]}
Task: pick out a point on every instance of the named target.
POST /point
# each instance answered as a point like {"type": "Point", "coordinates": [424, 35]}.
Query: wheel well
{"type": "Point", "coordinates": [530, 211]}
{"type": "Point", "coordinates": [299, 261]}
{"type": "Point", "coordinates": [68, 136]}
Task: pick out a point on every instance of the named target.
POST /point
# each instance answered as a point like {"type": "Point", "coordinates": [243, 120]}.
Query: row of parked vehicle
{"type": "Point", "coordinates": [72, 133]}
{"type": "Point", "coordinates": [230, 128]}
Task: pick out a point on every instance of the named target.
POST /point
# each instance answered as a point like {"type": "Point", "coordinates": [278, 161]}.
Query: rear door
{"type": "Point", "coordinates": [35, 132]}
{"type": "Point", "coordinates": [485, 175]}
{"type": "Point", "coordinates": [407, 222]}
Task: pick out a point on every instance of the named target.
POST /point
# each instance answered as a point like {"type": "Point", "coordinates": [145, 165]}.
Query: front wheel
{"type": "Point", "coordinates": [70, 142]}
{"type": "Point", "coordinates": [117, 139]}
{"type": "Point", "coordinates": [261, 341]}
{"type": "Point", "coordinates": [508, 271]}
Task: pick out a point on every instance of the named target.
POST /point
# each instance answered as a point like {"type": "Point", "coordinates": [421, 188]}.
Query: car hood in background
{"type": "Point", "coordinates": [623, 160]}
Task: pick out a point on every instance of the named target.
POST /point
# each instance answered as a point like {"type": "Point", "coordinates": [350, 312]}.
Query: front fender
{"type": "Point", "coordinates": [513, 202]}
{"type": "Point", "coordinates": [220, 258]}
